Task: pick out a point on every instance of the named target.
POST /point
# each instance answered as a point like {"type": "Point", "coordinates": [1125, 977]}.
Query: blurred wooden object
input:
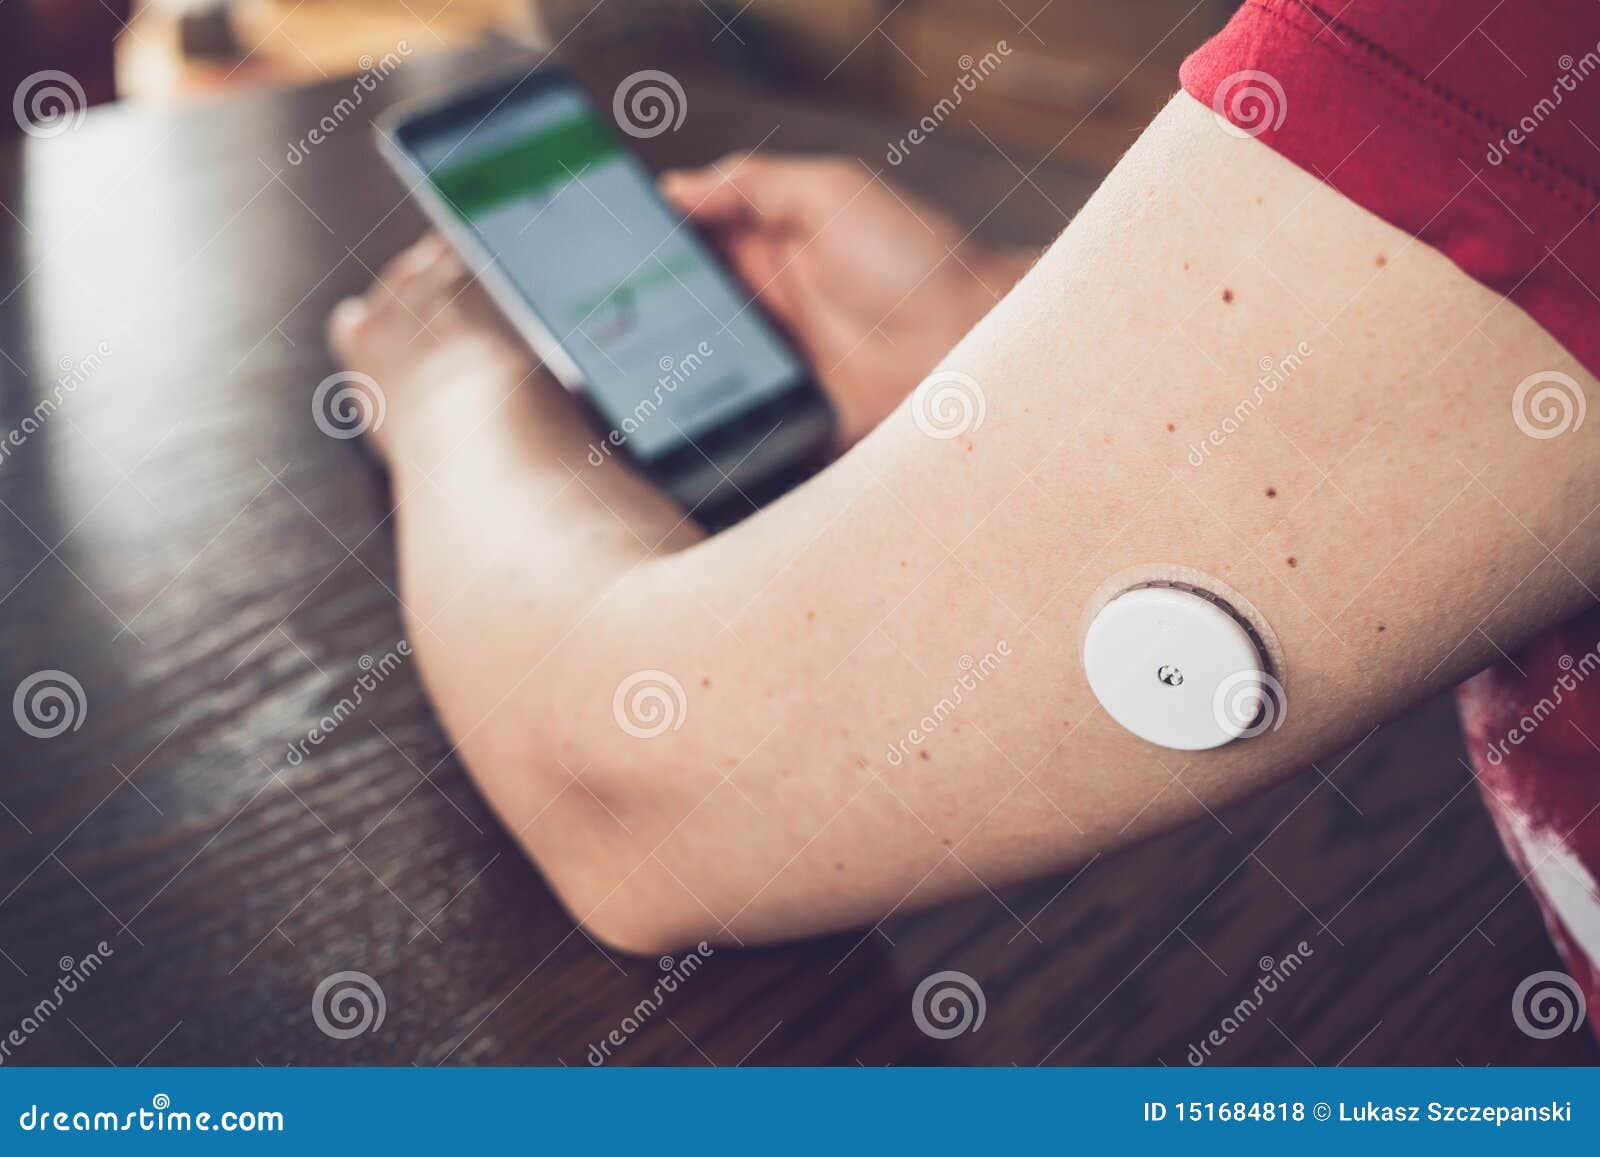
{"type": "Point", "coordinates": [1075, 76]}
{"type": "Point", "coordinates": [313, 39]}
{"type": "Point", "coordinates": [188, 48]}
{"type": "Point", "coordinates": [1082, 78]}
{"type": "Point", "coordinates": [165, 55]}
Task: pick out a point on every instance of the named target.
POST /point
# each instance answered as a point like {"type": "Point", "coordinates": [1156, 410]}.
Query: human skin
{"type": "Point", "coordinates": [1381, 509]}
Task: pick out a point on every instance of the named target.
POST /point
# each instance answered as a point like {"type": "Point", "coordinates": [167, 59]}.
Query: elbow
{"type": "Point", "coordinates": [618, 825]}
{"type": "Point", "coordinates": [595, 839]}
{"type": "Point", "coordinates": [645, 914]}
{"type": "Point", "coordinates": [639, 933]}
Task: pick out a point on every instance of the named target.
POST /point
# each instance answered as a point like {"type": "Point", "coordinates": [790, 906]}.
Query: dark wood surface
{"type": "Point", "coordinates": [180, 539]}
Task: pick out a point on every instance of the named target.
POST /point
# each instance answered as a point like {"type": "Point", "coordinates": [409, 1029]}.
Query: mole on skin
{"type": "Point", "coordinates": [1227, 297]}
{"type": "Point", "coordinates": [1272, 492]}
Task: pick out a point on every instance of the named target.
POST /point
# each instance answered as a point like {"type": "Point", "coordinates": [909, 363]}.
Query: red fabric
{"type": "Point", "coordinates": [1474, 125]}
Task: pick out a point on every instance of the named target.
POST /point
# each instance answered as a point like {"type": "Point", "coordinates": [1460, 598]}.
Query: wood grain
{"type": "Point", "coordinates": [179, 537]}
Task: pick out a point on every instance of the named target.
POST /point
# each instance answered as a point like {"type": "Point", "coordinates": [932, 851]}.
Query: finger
{"type": "Point", "coordinates": [445, 270]}
{"type": "Point", "coordinates": [414, 259]}
{"type": "Point", "coordinates": [706, 197]}
{"type": "Point", "coordinates": [439, 285]}
{"type": "Point", "coordinates": [418, 276]}
{"type": "Point", "coordinates": [742, 187]}
{"type": "Point", "coordinates": [343, 323]}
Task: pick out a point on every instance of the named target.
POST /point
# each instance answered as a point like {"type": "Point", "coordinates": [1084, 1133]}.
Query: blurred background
{"type": "Point", "coordinates": [1105, 67]}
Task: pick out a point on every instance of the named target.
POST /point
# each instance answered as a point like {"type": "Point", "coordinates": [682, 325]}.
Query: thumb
{"type": "Point", "coordinates": [703, 195]}
{"type": "Point", "coordinates": [743, 188]}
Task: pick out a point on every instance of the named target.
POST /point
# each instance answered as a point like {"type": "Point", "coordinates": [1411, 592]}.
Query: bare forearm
{"type": "Point", "coordinates": [508, 541]}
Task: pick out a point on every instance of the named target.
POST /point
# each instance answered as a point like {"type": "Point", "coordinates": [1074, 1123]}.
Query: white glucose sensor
{"type": "Point", "coordinates": [1169, 665]}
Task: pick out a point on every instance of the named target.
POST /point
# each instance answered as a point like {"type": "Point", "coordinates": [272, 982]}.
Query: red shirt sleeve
{"type": "Point", "coordinates": [1470, 124]}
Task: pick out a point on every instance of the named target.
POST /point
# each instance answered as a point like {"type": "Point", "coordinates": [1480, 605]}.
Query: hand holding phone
{"type": "Point", "coordinates": [685, 375]}
{"type": "Point", "coordinates": [874, 284]}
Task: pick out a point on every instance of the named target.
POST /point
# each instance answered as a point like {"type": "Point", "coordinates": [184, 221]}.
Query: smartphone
{"type": "Point", "coordinates": [685, 375]}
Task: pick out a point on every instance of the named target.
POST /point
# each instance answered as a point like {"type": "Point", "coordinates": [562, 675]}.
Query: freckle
{"type": "Point", "coordinates": [1170, 427]}
{"type": "Point", "coordinates": [1258, 200]}
{"type": "Point", "coordinates": [1380, 261]}
{"type": "Point", "coordinates": [1272, 492]}
{"type": "Point", "coordinates": [1381, 628]}
{"type": "Point", "coordinates": [705, 682]}
{"type": "Point", "coordinates": [969, 447]}
{"type": "Point", "coordinates": [902, 564]}
{"type": "Point", "coordinates": [923, 755]}
{"type": "Point", "coordinates": [945, 840]}
{"type": "Point", "coordinates": [838, 866]}
{"type": "Point", "coordinates": [813, 614]}
{"type": "Point", "coordinates": [1293, 561]}
{"type": "Point", "coordinates": [1186, 266]}
{"type": "Point", "coordinates": [1227, 296]}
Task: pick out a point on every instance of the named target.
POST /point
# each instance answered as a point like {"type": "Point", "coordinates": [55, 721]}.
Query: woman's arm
{"type": "Point", "coordinates": [1379, 506]}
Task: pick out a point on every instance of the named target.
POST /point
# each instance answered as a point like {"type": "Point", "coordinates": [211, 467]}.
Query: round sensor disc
{"type": "Point", "coordinates": [1161, 661]}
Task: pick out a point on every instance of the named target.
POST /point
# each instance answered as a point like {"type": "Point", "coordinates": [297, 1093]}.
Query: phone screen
{"type": "Point", "coordinates": [669, 345]}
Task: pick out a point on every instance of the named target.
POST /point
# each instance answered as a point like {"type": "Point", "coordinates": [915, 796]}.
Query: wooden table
{"type": "Point", "coordinates": [215, 573]}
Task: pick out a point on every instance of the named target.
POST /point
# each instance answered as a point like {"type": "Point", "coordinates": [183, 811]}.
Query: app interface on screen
{"type": "Point", "coordinates": [665, 338]}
